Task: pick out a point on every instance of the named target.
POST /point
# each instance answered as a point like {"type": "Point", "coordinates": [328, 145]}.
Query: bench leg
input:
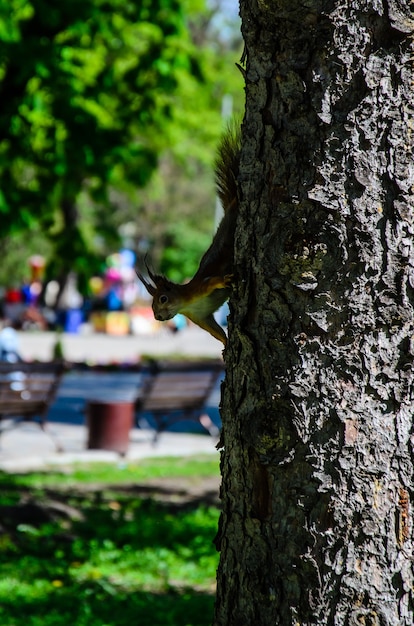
{"type": "Point", "coordinates": [162, 422]}
{"type": "Point", "coordinates": [56, 442]}
{"type": "Point", "coordinates": [42, 426]}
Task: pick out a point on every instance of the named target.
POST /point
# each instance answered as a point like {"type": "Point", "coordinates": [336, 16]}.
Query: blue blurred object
{"type": "Point", "coordinates": [74, 319]}
{"type": "Point", "coordinates": [113, 300]}
{"type": "Point", "coordinates": [127, 257]}
{"type": "Point", "coordinates": [179, 321]}
{"type": "Point", "coordinates": [9, 345]}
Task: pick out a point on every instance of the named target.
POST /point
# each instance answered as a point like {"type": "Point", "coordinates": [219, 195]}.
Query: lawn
{"type": "Point", "coordinates": [98, 545]}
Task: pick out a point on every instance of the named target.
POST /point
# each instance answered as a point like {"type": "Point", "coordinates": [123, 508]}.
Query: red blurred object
{"type": "Point", "coordinates": [13, 296]}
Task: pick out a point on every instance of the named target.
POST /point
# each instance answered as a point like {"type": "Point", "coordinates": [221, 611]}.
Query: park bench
{"type": "Point", "coordinates": [27, 391]}
{"type": "Point", "coordinates": [177, 392]}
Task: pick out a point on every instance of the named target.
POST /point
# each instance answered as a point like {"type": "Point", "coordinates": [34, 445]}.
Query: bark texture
{"type": "Point", "coordinates": [318, 403]}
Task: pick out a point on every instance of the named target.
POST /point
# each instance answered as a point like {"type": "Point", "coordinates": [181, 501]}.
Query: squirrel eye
{"type": "Point", "coordinates": [163, 299]}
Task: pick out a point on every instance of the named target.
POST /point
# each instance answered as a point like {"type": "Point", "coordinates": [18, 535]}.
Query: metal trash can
{"type": "Point", "coordinates": [109, 424]}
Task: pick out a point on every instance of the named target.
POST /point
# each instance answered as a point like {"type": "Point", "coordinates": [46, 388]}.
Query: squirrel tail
{"type": "Point", "coordinates": [227, 165]}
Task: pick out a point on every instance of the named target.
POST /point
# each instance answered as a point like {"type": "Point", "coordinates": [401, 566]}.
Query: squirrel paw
{"type": "Point", "coordinates": [228, 280]}
{"type": "Point", "coordinates": [222, 282]}
{"type": "Point", "coordinates": [217, 282]}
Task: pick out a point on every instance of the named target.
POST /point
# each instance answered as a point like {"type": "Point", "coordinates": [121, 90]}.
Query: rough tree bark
{"type": "Point", "coordinates": [318, 403]}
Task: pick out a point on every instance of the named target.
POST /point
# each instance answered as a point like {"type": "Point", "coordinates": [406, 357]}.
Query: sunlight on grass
{"type": "Point", "coordinates": [120, 560]}
{"type": "Point", "coordinates": [166, 467]}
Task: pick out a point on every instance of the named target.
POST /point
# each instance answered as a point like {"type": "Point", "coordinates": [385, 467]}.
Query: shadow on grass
{"type": "Point", "coordinates": [107, 557]}
{"type": "Point", "coordinates": [94, 608]}
{"type": "Point", "coordinates": [99, 609]}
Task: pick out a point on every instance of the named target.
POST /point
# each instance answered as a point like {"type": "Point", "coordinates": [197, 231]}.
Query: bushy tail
{"type": "Point", "coordinates": [227, 166]}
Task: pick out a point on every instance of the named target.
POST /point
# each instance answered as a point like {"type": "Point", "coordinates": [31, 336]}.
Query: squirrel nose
{"type": "Point", "coordinates": [161, 317]}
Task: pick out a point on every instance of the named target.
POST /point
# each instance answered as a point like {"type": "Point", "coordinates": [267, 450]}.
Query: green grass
{"type": "Point", "coordinates": [145, 469]}
{"type": "Point", "coordinates": [106, 555]}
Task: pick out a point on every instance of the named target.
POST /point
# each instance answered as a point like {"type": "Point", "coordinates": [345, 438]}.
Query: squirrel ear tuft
{"type": "Point", "coordinates": [157, 281]}
{"type": "Point", "coordinates": [150, 288]}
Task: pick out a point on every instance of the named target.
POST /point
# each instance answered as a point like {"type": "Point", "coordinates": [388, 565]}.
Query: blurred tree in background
{"type": "Point", "coordinates": [95, 96]}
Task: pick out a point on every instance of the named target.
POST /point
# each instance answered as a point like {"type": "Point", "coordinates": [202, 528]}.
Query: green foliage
{"type": "Point", "coordinates": [93, 92]}
{"type": "Point", "coordinates": [16, 250]}
{"type": "Point", "coordinates": [90, 92]}
{"type": "Point", "coordinates": [115, 559]}
{"type": "Point", "coordinates": [184, 247]}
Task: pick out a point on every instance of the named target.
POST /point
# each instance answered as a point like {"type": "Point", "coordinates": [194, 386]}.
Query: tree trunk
{"type": "Point", "coordinates": [317, 458]}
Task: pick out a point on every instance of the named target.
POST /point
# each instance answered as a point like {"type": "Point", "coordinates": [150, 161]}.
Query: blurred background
{"type": "Point", "coordinates": [110, 115]}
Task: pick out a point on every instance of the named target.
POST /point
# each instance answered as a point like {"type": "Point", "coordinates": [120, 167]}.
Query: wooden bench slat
{"type": "Point", "coordinates": [22, 398]}
{"type": "Point", "coordinates": [177, 392]}
{"type": "Point", "coordinates": [166, 404]}
{"type": "Point", "coordinates": [20, 385]}
{"type": "Point", "coordinates": [14, 409]}
{"type": "Point", "coordinates": [174, 397]}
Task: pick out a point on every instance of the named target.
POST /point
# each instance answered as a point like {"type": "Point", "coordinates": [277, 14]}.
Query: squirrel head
{"type": "Point", "coordinates": [166, 302]}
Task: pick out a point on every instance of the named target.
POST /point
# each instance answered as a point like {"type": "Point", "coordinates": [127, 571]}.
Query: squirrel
{"type": "Point", "coordinates": [210, 286]}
